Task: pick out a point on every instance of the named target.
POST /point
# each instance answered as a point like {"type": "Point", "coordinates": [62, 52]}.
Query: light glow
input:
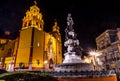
{"type": "Point", "coordinates": [45, 62]}
{"type": "Point", "coordinates": [94, 53]}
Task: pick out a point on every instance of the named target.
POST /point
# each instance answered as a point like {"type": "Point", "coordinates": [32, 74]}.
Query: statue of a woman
{"type": "Point", "coordinates": [70, 21]}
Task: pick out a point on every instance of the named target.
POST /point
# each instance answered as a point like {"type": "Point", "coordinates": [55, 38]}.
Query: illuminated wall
{"type": "Point", "coordinates": [32, 44]}
{"type": "Point", "coordinates": [58, 43]}
{"type": "Point", "coordinates": [23, 54]}
{"type": "Point", "coordinates": [59, 52]}
{"type": "Point", "coordinates": [57, 48]}
{"type": "Point", "coordinates": [6, 47]}
{"type": "Point", "coordinates": [47, 37]}
{"type": "Point", "coordinates": [38, 48]}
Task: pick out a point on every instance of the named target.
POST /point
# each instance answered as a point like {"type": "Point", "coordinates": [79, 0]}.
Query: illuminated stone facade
{"type": "Point", "coordinates": [33, 18]}
{"type": "Point", "coordinates": [108, 43]}
{"type": "Point", "coordinates": [35, 47]}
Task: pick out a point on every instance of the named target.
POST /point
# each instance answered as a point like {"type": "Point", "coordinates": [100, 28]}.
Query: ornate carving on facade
{"type": "Point", "coordinates": [33, 18]}
{"type": "Point", "coordinates": [50, 50]}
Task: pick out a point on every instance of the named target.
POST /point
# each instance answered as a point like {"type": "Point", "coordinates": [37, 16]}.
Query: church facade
{"type": "Point", "coordinates": [35, 47]}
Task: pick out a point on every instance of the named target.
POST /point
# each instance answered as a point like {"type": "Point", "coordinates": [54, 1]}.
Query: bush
{"type": "Point", "coordinates": [2, 71]}
{"type": "Point", "coordinates": [26, 76]}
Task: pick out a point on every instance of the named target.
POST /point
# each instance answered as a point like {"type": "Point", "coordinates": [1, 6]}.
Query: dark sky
{"type": "Point", "coordinates": [90, 18]}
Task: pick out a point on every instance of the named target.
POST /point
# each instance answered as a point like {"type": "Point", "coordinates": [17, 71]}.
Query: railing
{"type": "Point", "coordinates": [77, 74]}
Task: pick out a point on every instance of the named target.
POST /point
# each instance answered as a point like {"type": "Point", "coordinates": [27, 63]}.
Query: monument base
{"type": "Point", "coordinates": [74, 67]}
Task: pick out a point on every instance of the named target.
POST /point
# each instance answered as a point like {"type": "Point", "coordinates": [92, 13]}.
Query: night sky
{"type": "Point", "coordinates": [90, 18]}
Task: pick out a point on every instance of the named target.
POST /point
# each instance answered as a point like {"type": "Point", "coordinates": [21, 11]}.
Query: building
{"type": "Point", "coordinates": [108, 43]}
{"type": "Point", "coordinates": [33, 47]}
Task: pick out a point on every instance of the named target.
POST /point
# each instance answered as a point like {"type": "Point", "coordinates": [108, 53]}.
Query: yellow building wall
{"type": "Point", "coordinates": [23, 53]}
{"type": "Point", "coordinates": [57, 37]}
{"type": "Point", "coordinates": [59, 52]}
{"type": "Point", "coordinates": [38, 48]}
{"type": "Point", "coordinates": [57, 48]}
{"type": "Point", "coordinates": [47, 37]}
{"type": "Point", "coordinates": [8, 60]}
{"type": "Point", "coordinates": [16, 47]}
{"type": "Point", "coordinates": [7, 46]}
{"type": "Point", "coordinates": [55, 51]}
{"type": "Point", "coordinates": [11, 44]}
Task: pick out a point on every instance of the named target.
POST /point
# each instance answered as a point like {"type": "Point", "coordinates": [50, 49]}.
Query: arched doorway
{"type": "Point", "coordinates": [51, 64]}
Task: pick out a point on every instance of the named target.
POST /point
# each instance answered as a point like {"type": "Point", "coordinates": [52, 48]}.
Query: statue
{"type": "Point", "coordinates": [70, 21]}
{"type": "Point", "coordinates": [69, 27]}
{"type": "Point", "coordinates": [72, 56]}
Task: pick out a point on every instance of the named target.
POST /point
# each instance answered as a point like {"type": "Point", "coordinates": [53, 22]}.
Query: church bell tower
{"type": "Point", "coordinates": [33, 18]}
{"type": "Point", "coordinates": [31, 40]}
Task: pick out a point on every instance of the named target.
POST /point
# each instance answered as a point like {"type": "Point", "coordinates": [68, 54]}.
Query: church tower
{"type": "Point", "coordinates": [35, 45]}
{"type": "Point", "coordinates": [56, 31]}
{"type": "Point", "coordinates": [33, 18]}
{"type": "Point", "coordinates": [57, 35]}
